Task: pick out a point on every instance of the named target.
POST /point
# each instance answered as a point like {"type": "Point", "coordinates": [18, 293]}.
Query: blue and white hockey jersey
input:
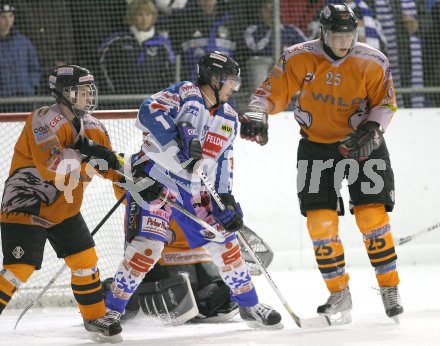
{"type": "Point", "coordinates": [216, 129]}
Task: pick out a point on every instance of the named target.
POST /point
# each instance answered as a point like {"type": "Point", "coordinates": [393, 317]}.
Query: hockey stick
{"type": "Point", "coordinates": [408, 238]}
{"type": "Point", "coordinates": [320, 321]}
{"type": "Point", "coordinates": [64, 266]}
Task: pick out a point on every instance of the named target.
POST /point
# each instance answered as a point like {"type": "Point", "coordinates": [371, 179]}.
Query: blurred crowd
{"type": "Point", "coordinates": [141, 46]}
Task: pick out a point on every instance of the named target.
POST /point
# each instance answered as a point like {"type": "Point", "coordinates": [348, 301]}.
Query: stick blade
{"type": "Point", "coordinates": [22, 314]}
{"type": "Point", "coordinates": [321, 321]}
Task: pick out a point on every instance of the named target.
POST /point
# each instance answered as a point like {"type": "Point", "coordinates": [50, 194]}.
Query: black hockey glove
{"type": "Point", "coordinates": [89, 148]}
{"type": "Point", "coordinates": [254, 125]}
{"type": "Point", "coordinates": [360, 144]}
{"type": "Point", "coordinates": [153, 189]}
{"type": "Point", "coordinates": [190, 148]}
{"type": "Point", "coordinates": [232, 217]}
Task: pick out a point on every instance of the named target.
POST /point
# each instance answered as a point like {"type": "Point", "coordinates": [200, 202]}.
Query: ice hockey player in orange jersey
{"type": "Point", "coordinates": [44, 192]}
{"type": "Point", "coordinates": [345, 102]}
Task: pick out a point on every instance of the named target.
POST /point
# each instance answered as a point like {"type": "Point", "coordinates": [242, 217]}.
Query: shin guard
{"type": "Point", "coordinates": [12, 276]}
{"type": "Point", "coordinates": [329, 251]}
{"type": "Point", "coordinates": [233, 270]}
{"type": "Point", "coordinates": [140, 256]}
{"type": "Point", "coordinates": [373, 222]}
{"type": "Point", "coordinates": [86, 283]}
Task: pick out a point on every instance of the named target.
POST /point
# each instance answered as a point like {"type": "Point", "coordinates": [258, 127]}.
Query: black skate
{"type": "Point", "coordinates": [261, 316]}
{"type": "Point", "coordinates": [391, 302]}
{"type": "Point", "coordinates": [105, 329]}
{"type": "Point", "coordinates": [337, 308]}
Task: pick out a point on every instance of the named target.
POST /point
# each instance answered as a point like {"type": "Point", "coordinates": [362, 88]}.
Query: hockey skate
{"type": "Point", "coordinates": [261, 316]}
{"type": "Point", "coordinates": [105, 329]}
{"type": "Point", "coordinates": [337, 308]}
{"type": "Point", "coordinates": [391, 302]}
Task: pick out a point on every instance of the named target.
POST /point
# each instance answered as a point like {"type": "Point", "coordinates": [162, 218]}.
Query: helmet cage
{"type": "Point", "coordinates": [73, 95]}
{"type": "Point", "coordinates": [70, 84]}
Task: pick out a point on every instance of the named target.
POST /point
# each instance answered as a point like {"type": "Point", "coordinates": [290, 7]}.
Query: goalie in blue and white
{"type": "Point", "coordinates": [189, 127]}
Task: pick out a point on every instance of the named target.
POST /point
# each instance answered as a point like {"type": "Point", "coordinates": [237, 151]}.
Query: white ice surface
{"type": "Point", "coordinates": [304, 290]}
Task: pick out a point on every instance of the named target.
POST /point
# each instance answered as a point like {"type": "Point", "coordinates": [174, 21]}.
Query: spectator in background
{"type": "Point", "coordinates": [137, 60]}
{"type": "Point", "coordinates": [404, 50]}
{"type": "Point", "coordinates": [206, 27]}
{"type": "Point", "coordinates": [259, 36]}
{"type": "Point", "coordinates": [53, 39]}
{"type": "Point", "coordinates": [170, 13]}
{"type": "Point", "coordinates": [19, 65]}
{"type": "Point", "coordinates": [258, 39]}
{"type": "Point", "coordinates": [93, 20]}
{"type": "Point", "coordinates": [431, 52]}
{"type": "Point", "coordinates": [300, 12]}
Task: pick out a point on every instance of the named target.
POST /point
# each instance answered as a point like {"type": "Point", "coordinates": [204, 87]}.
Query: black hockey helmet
{"type": "Point", "coordinates": [65, 83]}
{"type": "Point", "coordinates": [338, 18]}
{"type": "Point", "coordinates": [216, 67]}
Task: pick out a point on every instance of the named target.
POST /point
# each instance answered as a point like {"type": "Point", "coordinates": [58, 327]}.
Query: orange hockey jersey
{"type": "Point", "coordinates": [335, 96]}
{"type": "Point", "coordinates": [47, 179]}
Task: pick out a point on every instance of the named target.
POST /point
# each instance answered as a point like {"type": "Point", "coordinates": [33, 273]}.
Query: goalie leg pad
{"type": "Point", "coordinates": [86, 284]}
{"type": "Point", "coordinates": [233, 270]}
{"type": "Point", "coordinates": [213, 295]}
{"type": "Point", "coordinates": [139, 257]}
{"type": "Point", "coordinates": [373, 221]}
{"type": "Point", "coordinates": [171, 299]}
{"type": "Point", "coordinates": [12, 276]}
{"type": "Point", "coordinates": [329, 252]}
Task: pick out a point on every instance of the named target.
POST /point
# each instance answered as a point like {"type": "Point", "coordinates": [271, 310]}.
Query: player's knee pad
{"type": "Point", "coordinates": [82, 260]}
{"type": "Point", "coordinates": [232, 268]}
{"type": "Point", "coordinates": [370, 217]}
{"type": "Point", "coordinates": [12, 276]}
{"type": "Point", "coordinates": [224, 255]}
{"type": "Point", "coordinates": [86, 283]}
{"type": "Point", "coordinates": [329, 251]}
{"type": "Point", "coordinates": [322, 223]}
{"type": "Point", "coordinates": [142, 254]}
{"type": "Point", "coordinates": [373, 221]}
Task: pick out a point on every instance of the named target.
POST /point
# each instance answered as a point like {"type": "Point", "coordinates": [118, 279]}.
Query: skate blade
{"type": "Point", "coordinates": [396, 319]}
{"type": "Point", "coordinates": [339, 318]}
{"type": "Point", "coordinates": [258, 325]}
{"type": "Point", "coordinates": [101, 338]}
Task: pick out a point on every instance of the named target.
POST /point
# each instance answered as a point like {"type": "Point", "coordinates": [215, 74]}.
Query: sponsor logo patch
{"type": "Point", "coordinates": [65, 71]}
{"type": "Point", "coordinates": [55, 120]}
{"type": "Point", "coordinates": [213, 144]}
{"type": "Point", "coordinates": [18, 252]}
{"type": "Point", "coordinates": [226, 128]}
{"type": "Point", "coordinates": [189, 90]}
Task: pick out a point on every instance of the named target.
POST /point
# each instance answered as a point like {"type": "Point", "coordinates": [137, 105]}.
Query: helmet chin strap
{"type": "Point", "coordinates": [217, 95]}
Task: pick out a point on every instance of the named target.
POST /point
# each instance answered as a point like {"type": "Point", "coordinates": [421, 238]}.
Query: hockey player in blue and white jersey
{"type": "Point", "coordinates": [188, 127]}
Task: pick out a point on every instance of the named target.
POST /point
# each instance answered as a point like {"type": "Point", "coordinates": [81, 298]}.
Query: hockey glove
{"type": "Point", "coordinates": [254, 125]}
{"type": "Point", "coordinates": [190, 148]}
{"type": "Point", "coordinates": [89, 148]}
{"type": "Point", "coordinates": [232, 217]}
{"type": "Point", "coordinates": [360, 144]}
{"type": "Point", "coordinates": [153, 189]}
